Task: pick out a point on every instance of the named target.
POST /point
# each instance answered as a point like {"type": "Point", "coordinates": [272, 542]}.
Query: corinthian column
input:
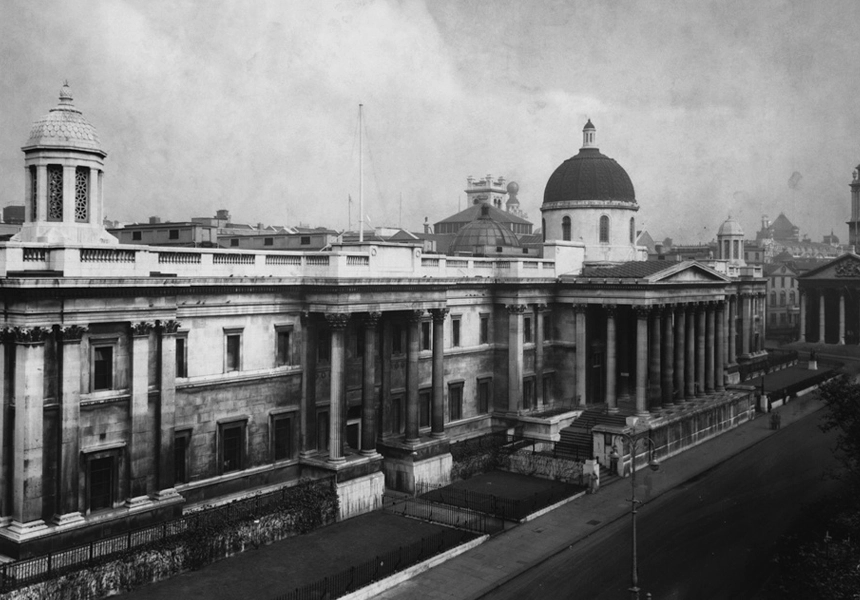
{"type": "Point", "coordinates": [337, 323]}
{"type": "Point", "coordinates": [437, 418]}
{"type": "Point", "coordinates": [368, 386]}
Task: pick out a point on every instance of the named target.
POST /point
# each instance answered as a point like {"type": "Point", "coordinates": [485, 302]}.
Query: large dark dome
{"type": "Point", "coordinates": [481, 233]}
{"type": "Point", "coordinates": [589, 176]}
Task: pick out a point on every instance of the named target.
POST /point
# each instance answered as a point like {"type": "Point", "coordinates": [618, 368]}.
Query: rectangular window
{"type": "Point", "coordinates": [322, 431]}
{"type": "Point", "coordinates": [547, 327]}
{"type": "Point", "coordinates": [102, 368]}
{"type": "Point", "coordinates": [100, 483]}
{"type": "Point", "coordinates": [484, 331]}
{"type": "Point", "coordinates": [173, 234]}
{"type": "Point", "coordinates": [548, 387]}
{"type": "Point", "coordinates": [181, 356]}
{"type": "Point", "coordinates": [455, 401]}
{"type": "Point", "coordinates": [232, 350]}
{"type": "Point", "coordinates": [396, 339]}
{"type": "Point", "coordinates": [234, 242]}
{"type": "Point", "coordinates": [268, 241]}
{"type": "Point", "coordinates": [527, 330]}
{"type": "Point", "coordinates": [283, 346]}
{"type": "Point", "coordinates": [425, 335]}
{"type": "Point", "coordinates": [424, 401]}
{"type": "Point", "coordinates": [528, 392]}
{"type": "Point", "coordinates": [323, 346]}
{"type": "Point", "coordinates": [306, 240]}
{"type": "Point", "coordinates": [455, 331]}
{"type": "Point", "coordinates": [282, 437]}
{"type": "Point", "coordinates": [232, 446]}
{"type": "Point", "coordinates": [136, 236]}
{"type": "Point", "coordinates": [180, 456]}
{"type": "Point", "coordinates": [396, 415]}
{"type": "Point", "coordinates": [484, 395]}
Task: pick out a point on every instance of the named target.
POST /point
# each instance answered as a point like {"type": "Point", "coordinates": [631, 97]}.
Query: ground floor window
{"type": "Point", "coordinates": [484, 395]}
{"type": "Point", "coordinates": [232, 437]}
{"type": "Point", "coordinates": [528, 392]}
{"type": "Point", "coordinates": [455, 401]}
{"type": "Point", "coordinates": [100, 483]}
{"type": "Point", "coordinates": [282, 437]}
{"type": "Point", "coordinates": [424, 401]}
{"type": "Point", "coordinates": [181, 443]}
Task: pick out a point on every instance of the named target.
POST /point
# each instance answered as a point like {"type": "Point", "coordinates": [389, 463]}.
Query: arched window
{"type": "Point", "coordinates": [791, 298]}
{"type": "Point", "coordinates": [773, 298]}
{"type": "Point", "coordinates": [632, 230]}
{"type": "Point", "coordinates": [782, 298]}
{"type": "Point", "coordinates": [565, 229]}
{"type": "Point", "coordinates": [543, 228]}
{"type": "Point", "coordinates": [604, 229]}
{"type": "Point", "coordinates": [737, 252]}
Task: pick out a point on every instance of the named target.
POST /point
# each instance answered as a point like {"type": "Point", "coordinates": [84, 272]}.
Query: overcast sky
{"type": "Point", "coordinates": [253, 106]}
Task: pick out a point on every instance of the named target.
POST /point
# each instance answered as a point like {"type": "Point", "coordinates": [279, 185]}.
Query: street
{"type": "Point", "coordinates": [711, 538]}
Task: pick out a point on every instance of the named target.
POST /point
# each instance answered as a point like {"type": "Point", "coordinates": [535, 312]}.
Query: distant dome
{"type": "Point", "coordinates": [484, 231]}
{"type": "Point", "coordinates": [589, 176]}
{"type": "Point", "coordinates": [513, 188]}
{"type": "Point", "coordinates": [64, 127]}
{"type": "Point", "coordinates": [730, 227]}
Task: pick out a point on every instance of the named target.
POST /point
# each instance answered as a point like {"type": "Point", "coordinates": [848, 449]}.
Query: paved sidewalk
{"type": "Point", "coordinates": [500, 559]}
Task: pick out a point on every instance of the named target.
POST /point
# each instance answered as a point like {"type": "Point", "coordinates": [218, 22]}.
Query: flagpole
{"type": "Point", "coordinates": [360, 179]}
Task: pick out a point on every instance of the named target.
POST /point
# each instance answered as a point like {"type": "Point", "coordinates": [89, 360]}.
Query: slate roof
{"type": "Point", "coordinates": [630, 270]}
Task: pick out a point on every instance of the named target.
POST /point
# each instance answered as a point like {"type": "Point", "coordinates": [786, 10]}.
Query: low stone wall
{"type": "Point", "coordinates": [360, 495]}
{"type": "Point", "coordinates": [535, 464]}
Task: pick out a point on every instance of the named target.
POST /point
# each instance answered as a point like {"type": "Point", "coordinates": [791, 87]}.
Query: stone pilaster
{"type": "Point", "coordinates": [166, 409]}
{"type": "Point", "coordinates": [413, 415]}
{"type": "Point", "coordinates": [802, 337]}
{"type": "Point", "coordinates": [68, 510]}
{"type": "Point", "coordinates": [142, 429]}
{"type": "Point", "coordinates": [308, 417]}
{"type": "Point", "coordinates": [680, 351]}
{"type": "Point", "coordinates": [690, 358]}
{"type": "Point", "coordinates": [710, 343]}
{"type": "Point", "coordinates": [654, 383]}
{"type": "Point", "coordinates": [701, 320]}
{"type": "Point", "coordinates": [746, 324]}
{"type": "Point", "coordinates": [540, 309]}
{"type": "Point", "coordinates": [641, 360]}
{"type": "Point", "coordinates": [28, 444]}
{"type": "Point", "coordinates": [611, 398]}
{"type": "Point", "coordinates": [337, 323]}
{"type": "Point", "coordinates": [368, 387]}
{"type": "Point", "coordinates": [579, 314]}
{"type": "Point", "coordinates": [667, 357]}
{"type": "Point", "coordinates": [842, 317]}
{"type": "Point", "coordinates": [437, 416]}
{"type": "Point", "coordinates": [515, 356]}
{"type": "Point", "coordinates": [719, 365]}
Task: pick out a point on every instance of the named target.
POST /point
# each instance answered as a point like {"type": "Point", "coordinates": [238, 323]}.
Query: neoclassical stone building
{"type": "Point", "coordinates": [140, 381]}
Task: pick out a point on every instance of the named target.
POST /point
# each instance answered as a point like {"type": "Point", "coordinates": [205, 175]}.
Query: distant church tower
{"type": "Point", "coordinates": [854, 223]}
{"type": "Point", "coordinates": [64, 164]}
{"type": "Point", "coordinates": [486, 191]}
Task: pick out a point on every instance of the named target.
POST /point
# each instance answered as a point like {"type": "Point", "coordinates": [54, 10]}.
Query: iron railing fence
{"type": "Point", "coordinates": [17, 574]}
{"type": "Point", "coordinates": [445, 514]}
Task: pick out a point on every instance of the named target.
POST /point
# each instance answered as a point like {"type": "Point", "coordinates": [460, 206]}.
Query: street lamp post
{"type": "Point", "coordinates": [653, 465]}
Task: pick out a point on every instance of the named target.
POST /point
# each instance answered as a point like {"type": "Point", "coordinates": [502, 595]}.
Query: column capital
{"type": "Point", "coordinates": [611, 310]}
{"type": "Point", "coordinates": [28, 335]}
{"type": "Point", "coordinates": [168, 326]}
{"type": "Point", "coordinates": [415, 315]}
{"type": "Point", "coordinates": [72, 333]}
{"type": "Point", "coordinates": [579, 308]}
{"type": "Point", "coordinates": [642, 312]}
{"type": "Point", "coordinates": [439, 314]}
{"type": "Point", "coordinates": [337, 320]}
{"type": "Point", "coordinates": [371, 319]}
{"type": "Point", "coordinates": [142, 328]}
{"type": "Point", "coordinates": [516, 308]}
{"type": "Point", "coordinates": [541, 307]}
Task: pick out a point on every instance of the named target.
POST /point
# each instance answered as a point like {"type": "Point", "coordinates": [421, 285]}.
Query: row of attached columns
{"type": "Point", "coordinates": [148, 440]}
{"type": "Point", "coordinates": [822, 315]}
{"type": "Point", "coordinates": [680, 353]}
{"type": "Point", "coordinates": [337, 323]}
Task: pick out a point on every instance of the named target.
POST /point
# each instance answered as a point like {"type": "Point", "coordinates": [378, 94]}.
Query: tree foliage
{"type": "Point", "coordinates": [842, 399]}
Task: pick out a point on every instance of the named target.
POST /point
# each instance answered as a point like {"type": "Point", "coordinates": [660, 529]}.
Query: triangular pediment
{"type": "Point", "coordinates": [845, 267]}
{"type": "Point", "coordinates": [688, 272]}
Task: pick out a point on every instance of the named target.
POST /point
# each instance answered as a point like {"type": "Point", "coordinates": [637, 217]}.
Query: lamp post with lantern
{"type": "Point", "coordinates": [653, 465]}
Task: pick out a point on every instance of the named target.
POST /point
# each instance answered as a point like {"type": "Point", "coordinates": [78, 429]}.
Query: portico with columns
{"type": "Point", "coordinates": [830, 302]}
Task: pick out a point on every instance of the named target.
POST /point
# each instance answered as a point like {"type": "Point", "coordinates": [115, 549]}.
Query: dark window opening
{"type": "Point", "coordinates": [528, 392]}
{"type": "Point", "coordinates": [424, 402]}
{"type": "Point", "coordinates": [547, 327]}
{"type": "Point", "coordinates": [283, 356]}
{"type": "Point", "coordinates": [282, 438]}
{"type": "Point", "coordinates": [324, 346]}
{"type": "Point", "coordinates": [484, 334]}
{"type": "Point", "coordinates": [268, 241]}
{"type": "Point", "coordinates": [484, 395]}
{"type": "Point", "coordinates": [103, 368]}
{"type": "Point", "coordinates": [234, 357]}
{"type": "Point", "coordinates": [234, 242]}
{"type": "Point", "coordinates": [565, 229]}
{"type": "Point", "coordinates": [101, 483]}
{"type": "Point", "coordinates": [173, 234]}
{"type": "Point", "coordinates": [455, 401]}
{"type": "Point", "coordinates": [306, 240]}
{"type": "Point", "coordinates": [527, 330]}
{"type": "Point", "coordinates": [455, 332]}
{"type": "Point", "coordinates": [396, 339]}
{"type": "Point", "coordinates": [136, 236]}
{"type": "Point", "coordinates": [231, 447]}
{"type": "Point", "coordinates": [181, 358]}
{"type": "Point", "coordinates": [425, 335]}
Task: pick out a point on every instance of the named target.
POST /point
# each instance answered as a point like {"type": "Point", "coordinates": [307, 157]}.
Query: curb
{"type": "Point", "coordinates": [513, 575]}
{"type": "Point", "coordinates": [370, 591]}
